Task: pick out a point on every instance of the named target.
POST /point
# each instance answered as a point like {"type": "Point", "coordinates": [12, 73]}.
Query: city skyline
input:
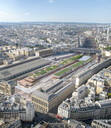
{"type": "Point", "coordinates": [55, 72]}
{"type": "Point", "coordinates": [96, 11]}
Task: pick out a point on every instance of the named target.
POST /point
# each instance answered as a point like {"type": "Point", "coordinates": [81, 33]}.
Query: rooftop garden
{"type": "Point", "coordinates": [81, 62]}
{"type": "Point", "coordinates": [89, 59]}
{"type": "Point", "coordinates": [41, 72]}
{"type": "Point", "coordinates": [62, 72]}
{"type": "Point", "coordinates": [38, 73]}
{"type": "Point", "coordinates": [51, 68]}
{"type": "Point", "coordinates": [77, 64]}
{"type": "Point", "coordinates": [70, 59]}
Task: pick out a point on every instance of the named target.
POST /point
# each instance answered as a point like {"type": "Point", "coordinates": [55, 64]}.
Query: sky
{"type": "Point", "coordinates": [89, 11]}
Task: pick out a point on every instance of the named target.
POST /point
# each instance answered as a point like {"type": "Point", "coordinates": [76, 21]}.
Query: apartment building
{"type": "Point", "coordinates": [101, 123]}
{"type": "Point", "coordinates": [7, 87]}
{"type": "Point", "coordinates": [86, 74]}
{"type": "Point", "coordinates": [81, 105]}
{"type": "Point", "coordinates": [11, 123]}
{"type": "Point", "coordinates": [11, 109]}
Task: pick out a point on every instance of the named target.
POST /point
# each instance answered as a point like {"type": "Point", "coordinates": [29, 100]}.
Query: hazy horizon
{"type": "Point", "coordinates": [55, 22]}
{"type": "Point", "coordinates": [83, 11]}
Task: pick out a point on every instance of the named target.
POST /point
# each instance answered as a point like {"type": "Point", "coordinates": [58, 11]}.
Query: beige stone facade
{"type": "Point", "coordinates": [83, 76]}
{"type": "Point", "coordinates": [44, 52]}
{"type": "Point", "coordinates": [7, 87]}
{"type": "Point", "coordinates": [47, 102]}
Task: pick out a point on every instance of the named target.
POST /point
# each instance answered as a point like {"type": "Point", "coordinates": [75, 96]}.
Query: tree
{"type": "Point", "coordinates": [55, 42]}
{"type": "Point", "coordinates": [109, 95]}
{"type": "Point", "coordinates": [96, 99]}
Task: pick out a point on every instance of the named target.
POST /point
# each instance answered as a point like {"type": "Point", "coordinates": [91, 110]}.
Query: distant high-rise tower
{"type": "Point", "coordinates": [98, 30]}
{"type": "Point", "coordinates": [107, 31]}
{"type": "Point", "coordinates": [81, 41]}
{"type": "Point", "coordinates": [67, 25]}
{"type": "Point", "coordinates": [78, 42]}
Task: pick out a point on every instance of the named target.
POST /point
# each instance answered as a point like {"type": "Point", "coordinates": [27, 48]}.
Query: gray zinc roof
{"type": "Point", "coordinates": [104, 102]}
{"type": "Point", "coordinates": [21, 67]}
{"type": "Point", "coordinates": [52, 85]}
{"type": "Point", "coordinates": [43, 95]}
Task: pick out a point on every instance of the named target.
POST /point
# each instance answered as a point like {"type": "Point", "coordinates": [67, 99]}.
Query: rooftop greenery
{"type": "Point", "coordinates": [41, 72]}
{"type": "Point", "coordinates": [77, 64]}
{"type": "Point", "coordinates": [89, 59]}
{"type": "Point", "coordinates": [81, 62]}
{"type": "Point", "coordinates": [52, 67]}
{"type": "Point", "coordinates": [70, 59]}
{"type": "Point", "coordinates": [62, 71]}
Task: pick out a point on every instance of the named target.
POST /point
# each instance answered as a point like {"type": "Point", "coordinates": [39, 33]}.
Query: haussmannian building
{"type": "Point", "coordinates": [82, 110]}
{"type": "Point", "coordinates": [7, 87]}
{"type": "Point", "coordinates": [86, 74]}
{"type": "Point", "coordinates": [11, 109]}
{"type": "Point", "coordinates": [52, 95]}
{"type": "Point", "coordinates": [101, 123]}
{"type": "Point", "coordinates": [11, 123]}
